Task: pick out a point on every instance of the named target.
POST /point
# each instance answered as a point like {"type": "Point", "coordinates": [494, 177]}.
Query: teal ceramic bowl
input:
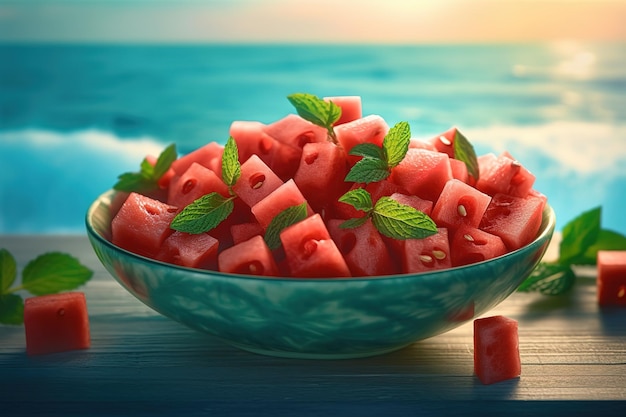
{"type": "Point", "coordinates": [316, 318]}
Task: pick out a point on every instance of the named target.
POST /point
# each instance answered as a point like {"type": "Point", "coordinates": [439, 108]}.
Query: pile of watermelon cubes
{"type": "Point", "coordinates": [290, 162]}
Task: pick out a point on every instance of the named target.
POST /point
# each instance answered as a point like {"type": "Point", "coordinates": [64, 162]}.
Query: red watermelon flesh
{"type": "Point", "coordinates": [469, 245]}
{"type": "Point", "coordinates": [445, 142]}
{"type": "Point", "coordinates": [310, 251]}
{"type": "Point", "coordinates": [320, 166]}
{"type": "Point", "coordinates": [459, 171]}
{"type": "Point", "coordinates": [142, 224]}
{"type": "Point", "coordinates": [415, 143]}
{"type": "Point", "coordinates": [368, 129]}
{"type": "Point", "coordinates": [295, 131]}
{"type": "Point", "coordinates": [351, 108]}
{"type": "Point", "coordinates": [428, 254]}
{"type": "Point", "coordinates": [611, 281]}
{"type": "Point", "coordinates": [195, 182]}
{"type": "Point", "coordinates": [251, 257]}
{"type": "Point", "coordinates": [363, 248]}
{"type": "Point", "coordinates": [244, 231]}
{"type": "Point", "coordinates": [256, 182]}
{"type": "Point", "coordinates": [496, 349]}
{"type": "Point", "coordinates": [56, 323]}
{"type": "Point", "coordinates": [209, 156]}
{"type": "Point", "coordinates": [459, 204]}
{"type": "Point", "coordinates": [285, 196]}
{"type": "Point", "coordinates": [190, 250]}
{"type": "Point", "coordinates": [504, 175]}
{"type": "Point", "coordinates": [164, 181]}
{"type": "Point", "coordinates": [423, 173]}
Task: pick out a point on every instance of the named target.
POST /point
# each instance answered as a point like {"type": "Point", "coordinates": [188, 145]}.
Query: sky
{"type": "Point", "coordinates": [348, 21]}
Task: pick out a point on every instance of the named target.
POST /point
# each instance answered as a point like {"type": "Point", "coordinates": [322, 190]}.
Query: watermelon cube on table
{"type": "Point", "coordinates": [195, 182]}
{"type": "Point", "coordinates": [427, 254]}
{"type": "Point", "coordinates": [363, 248]}
{"type": "Point", "coordinates": [142, 224]}
{"type": "Point", "coordinates": [611, 280]}
{"type": "Point", "coordinates": [496, 349]}
{"type": "Point", "coordinates": [56, 323]}
{"type": "Point", "coordinates": [515, 219]}
{"type": "Point", "coordinates": [459, 204]}
{"type": "Point", "coordinates": [423, 173]}
{"type": "Point", "coordinates": [470, 245]}
{"type": "Point", "coordinates": [190, 250]}
{"type": "Point", "coordinates": [256, 182]}
{"type": "Point", "coordinates": [311, 252]}
{"type": "Point", "coordinates": [351, 108]}
{"type": "Point", "coordinates": [321, 166]}
{"type": "Point", "coordinates": [285, 196]}
{"type": "Point", "coordinates": [251, 257]}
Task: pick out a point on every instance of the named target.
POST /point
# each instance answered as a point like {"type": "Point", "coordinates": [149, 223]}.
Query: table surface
{"type": "Point", "coordinates": [140, 363]}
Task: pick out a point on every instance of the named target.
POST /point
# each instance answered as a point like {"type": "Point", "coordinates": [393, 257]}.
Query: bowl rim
{"type": "Point", "coordinates": [548, 224]}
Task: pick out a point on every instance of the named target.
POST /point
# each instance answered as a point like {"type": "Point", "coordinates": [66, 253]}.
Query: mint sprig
{"type": "Point", "coordinates": [148, 177]}
{"type": "Point", "coordinates": [464, 152]}
{"type": "Point", "coordinates": [376, 162]}
{"type": "Point", "coordinates": [581, 240]}
{"type": "Point", "coordinates": [287, 217]}
{"type": "Point", "coordinates": [317, 111]}
{"type": "Point", "coordinates": [49, 273]}
{"type": "Point", "coordinates": [208, 211]}
{"type": "Point", "coordinates": [391, 218]}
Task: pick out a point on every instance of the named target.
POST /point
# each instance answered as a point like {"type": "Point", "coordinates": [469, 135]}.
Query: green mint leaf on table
{"type": "Point", "coordinates": [358, 198]}
{"type": "Point", "coordinates": [148, 176]}
{"type": "Point", "coordinates": [47, 274]}
{"type": "Point", "coordinates": [8, 270]}
{"type": "Point", "coordinates": [204, 214]}
{"type": "Point", "coordinates": [317, 111]}
{"type": "Point", "coordinates": [399, 221]}
{"type": "Point", "coordinates": [579, 234]}
{"type": "Point", "coordinates": [464, 151]}
{"type": "Point", "coordinates": [377, 162]}
{"type": "Point", "coordinates": [396, 143]}
{"type": "Point", "coordinates": [11, 309]}
{"type": "Point", "coordinates": [285, 218]}
{"type": "Point", "coordinates": [231, 168]}
{"type": "Point", "coordinates": [607, 240]}
{"type": "Point", "coordinates": [549, 279]}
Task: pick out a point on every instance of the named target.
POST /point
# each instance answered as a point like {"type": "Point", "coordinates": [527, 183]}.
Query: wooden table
{"type": "Point", "coordinates": [573, 362]}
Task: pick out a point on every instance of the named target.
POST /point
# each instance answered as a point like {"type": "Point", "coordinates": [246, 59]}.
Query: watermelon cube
{"type": "Point", "coordinates": [195, 182]}
{"type": "Point", "coordinates": [209, 156]}
{"type": "Point", "coordinates": [251, 257]}
{"type": "Point", "coordinates": [244, 231]}
{"type": "Point", "coordinates": [459, 204]}
{"type": "Point", "coordinates": [142, 224]}
{"type": "Point", "coordinates": [470, 245]}
{"type": "Point", "coordinates": [56, 323]}
{"type": "Point", "coordinates": [257, 181]}
{"type": "Point", "coordinates": [310, 251]}
{"type": "Point", "coordinates": [423, 173]}
{"type": "Point", "coordinates": [611, 281]}
{"type": "Point", "coordinates": [363, 248]}
{"type": "Point", "coordinates": [496, 349]}
{"type": "Point", "coordinates": [295, 131]}
{"type": "Point", "coordinates": [320, 166]}
{"type": "Point", "coordinates": [428, 254]}
{"type": "Point", "coordinates": [190, 250]}
{"type": "Point", "coordinates": [515, 219]}
{"type": "Point", "coordinates": [444, 142]}
{"type": "Point", "coordinates": [351, 108]}
{"type": "Point", "coordinates": [503, 174]}
{"type": "Point", "coordinates": [285, 196]}
{"type": "Point", "coordinates": [368, 129]}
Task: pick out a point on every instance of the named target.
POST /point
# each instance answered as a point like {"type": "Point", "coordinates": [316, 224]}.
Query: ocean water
{"type": "Point", "coordinates": [73, 117]}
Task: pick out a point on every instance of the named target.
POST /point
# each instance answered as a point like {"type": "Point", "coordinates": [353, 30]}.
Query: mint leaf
{"type": "Point", "coordinates": [8, 270]}
{"type": "Point", "coordinates": [353, 223]}
{"type": "Point", "coordinates": [399, 221]}
{"type": "Point", "coordinates": [368, 150]}
{"type": "Point", "coordinates": [368, 170]}
{"type": "Point", "coordinates": [148, 176]}
{"type": "Point", "coordinates": [204, 214]}
{"type": "Point", "coordinates": [231, 168]}
{"type": "Point", "coordinates": [11, 309]}
{"type": "Point", "coordinates": [54, 272]}
{"type": "Point", "coordinates": [579, 235]}
{"type": "Point", "coordinates": [317, 111]}
{"type": "Point", "coordinates": [358, 198]}
{"type": "Point", "coordinates": [396, 143]}
{"type": "Point", "coordinates": [285, 218]}
{"type": "Point", "coordinates": [549, 279]}
{"type": "Point", "coordinates": [606, 240]}
{"type": "Point", "coordinates": [464, 151]}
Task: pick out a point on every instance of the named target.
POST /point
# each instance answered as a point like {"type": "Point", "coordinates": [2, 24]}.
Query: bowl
{"type": "Point", "coordinates": [316, 318]}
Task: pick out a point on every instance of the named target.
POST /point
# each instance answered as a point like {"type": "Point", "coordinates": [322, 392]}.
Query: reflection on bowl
{"type": "Point", "coordinates": [316, 318]}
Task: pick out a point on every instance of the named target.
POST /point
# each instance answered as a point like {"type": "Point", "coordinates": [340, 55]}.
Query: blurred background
{"type": "Point", "coordinates": [88, 88]}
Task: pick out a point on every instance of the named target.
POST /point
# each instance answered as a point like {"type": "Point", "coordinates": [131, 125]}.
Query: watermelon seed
{"type": "Point", "coordinates": [445, 140]}
{"type": "Point", "coordinates": [426, 259]}
{"type": "Point", "coordinates": [468, 237]}
{"type": "Point", "coordinates": [515, 163]}
{"type": "Point", "coordinates": [439, 254]}
{"type": "Point", "coordinates": [622, 292]}
{"type": "Point", "coordinates": [61, 312]}
{"type": "Point", "coordinates": [189, 185]}
{"type": "Point", "coordinates": [257, 180]}
{"type": "Point", "coordinates": [461, 210]}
